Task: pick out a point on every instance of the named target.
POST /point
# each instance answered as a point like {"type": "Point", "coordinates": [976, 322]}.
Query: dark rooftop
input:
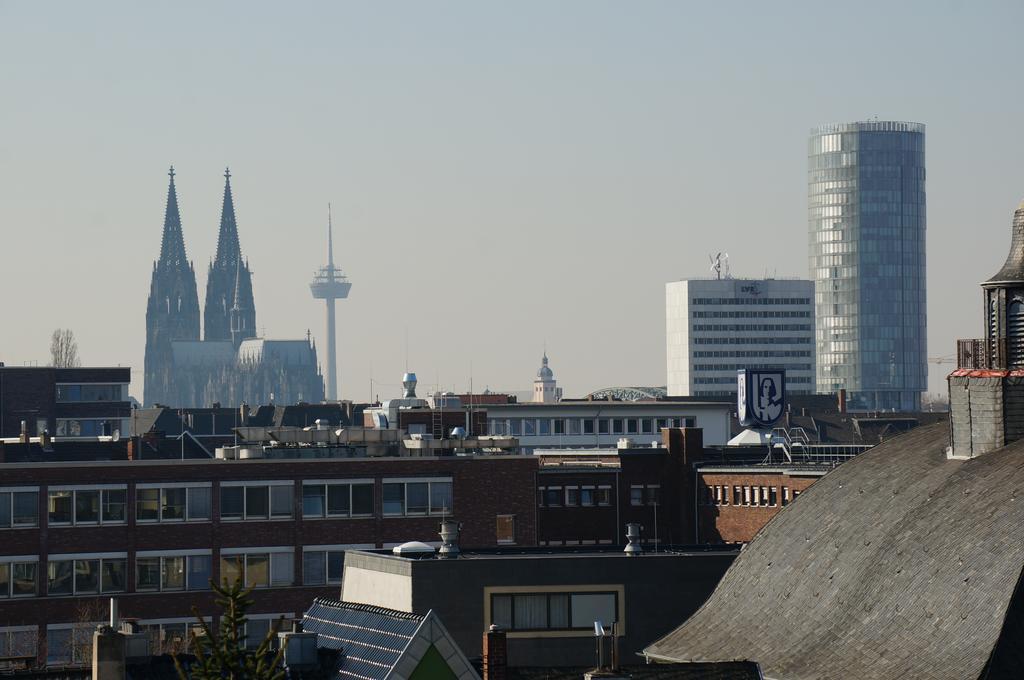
{"type": "Point", "coordinates": [899, 564]}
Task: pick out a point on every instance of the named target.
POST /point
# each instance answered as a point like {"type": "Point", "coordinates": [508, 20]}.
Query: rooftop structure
{"type": "Point", "coordinates": [329, 284]}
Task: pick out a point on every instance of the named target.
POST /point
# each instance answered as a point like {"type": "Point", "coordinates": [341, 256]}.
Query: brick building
{"type": "Point", "coordinates": [734, 502]}
{"type": "Point", "coordinates": [586, 497]}
{"type": "Point", "coordinates": [66, 402]}
{"type": "Point", "coordinates": [153, 532]}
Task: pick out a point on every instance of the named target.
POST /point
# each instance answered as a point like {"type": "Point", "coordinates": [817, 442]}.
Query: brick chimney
{"type": "Point", "coordinates": [495, 661]}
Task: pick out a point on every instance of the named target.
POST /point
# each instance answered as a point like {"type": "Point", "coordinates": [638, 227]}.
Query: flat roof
{"type": "Point", "coordinates": [581, 552]}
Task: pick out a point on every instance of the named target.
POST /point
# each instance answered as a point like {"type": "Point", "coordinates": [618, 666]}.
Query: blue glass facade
{"type": "Point", "coordinates": [866, 205]}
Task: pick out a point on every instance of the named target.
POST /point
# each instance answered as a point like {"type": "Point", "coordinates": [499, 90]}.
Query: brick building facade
{"type": "Point", "coordinates": [68, 402]}
{"type": "Point", "coordinates": [735, 502]}
{"type": "Point", "coordinates": [152, 533]}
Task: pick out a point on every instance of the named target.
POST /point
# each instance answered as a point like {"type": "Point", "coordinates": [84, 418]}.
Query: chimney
{"type": "Point", "coordinates": [495, 657]}
{"type": "Point", "coordinates": [23, 437]}
{"type": "Point", "coordinates": [107, 654]}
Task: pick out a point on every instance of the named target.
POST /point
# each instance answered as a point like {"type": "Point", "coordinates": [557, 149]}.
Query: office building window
{"type": "Point", "coordinates": [87, 574]}
{"type": "Point", "coordinates": [18, 577]}
{"type": "Point", "coordinates": [172, 572]}
{"type": "Point", "coordinates": [506, 529]}
{"type": "Point", "coordinates": [553, 496]}
{"type": "Point", "coordinates": [572, 496]}
{"type": "Point", "coordinates": [256, 500]}
{"type": "Point", "coordinates": [587, 496]}
{"type": "Point", "coordinates": [259, 567]}
{"type": "Point", "coordinates": [553, 610]}
{"type": "Point", "coordinates": [20, 641]}
{"type": "Point", "coordinates": [19, 507]}
{"type": "Point", "coordinates": [636, 494]}
{"type": "Point", "coordinates": [86, 505]}
{"type": "Point", "coordinates": [348, 498]}
{"type": "Point", "coordinates": [177, 502]}
{"type": "Point", "coordinates": [412, 497]}
{"type": "Point", "coordinates": [320, 567]}
{"type": "Point", "coordinates": [604, 495]}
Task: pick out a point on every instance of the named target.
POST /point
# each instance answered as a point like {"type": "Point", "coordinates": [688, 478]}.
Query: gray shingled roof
{"type": "Point", "coordinates": [899, 564]}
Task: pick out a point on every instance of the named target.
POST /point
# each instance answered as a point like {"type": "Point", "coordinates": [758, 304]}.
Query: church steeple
{"type": "Point", "coordinates": [172, 313]}
{"type": "Point", "coordinates": [172, 243]}
{"type": "Point", "coordinates": [220, 283]}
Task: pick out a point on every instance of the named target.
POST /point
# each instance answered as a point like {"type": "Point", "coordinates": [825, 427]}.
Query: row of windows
{"type": "Point", "coordinates": [731, 379]}
{"type": "Point", "coordinates": [574, 496]}
{"type": "Point", "coordinates": [763, 496]}
{"type": "Point", "coordinates": [757, 354]}
{"type": "Point", "coordinates": [91, 392]}
{"type": "Point", "coordinates": [751, 301]}
{"type": "Point", "coordinates": [529, 427]}
{"type": "Point", "coordinates": [727, 327]}
{"type": "Point", "coordinates": [736, 367]}
{"type": "Point", "coordinates": [752, 341]}
{"type": "Point", "coordinates": [166, 573]}
{"type": "Point", "coordinates": [759, 314]}
{"type": "Point", "coordinates": [248, 501]}
{"type": "Point", "coordinates": [553, 611]}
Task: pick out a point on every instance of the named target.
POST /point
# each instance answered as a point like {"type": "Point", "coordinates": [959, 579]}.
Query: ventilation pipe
{"type": "Point", "coordinates": [449, 530]}
{"type": "Point", "coordinates": [633, 547]}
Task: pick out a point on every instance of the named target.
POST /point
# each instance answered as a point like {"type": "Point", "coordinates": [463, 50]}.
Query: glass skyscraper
{"type": "Point", "coordinates": [866, 216]}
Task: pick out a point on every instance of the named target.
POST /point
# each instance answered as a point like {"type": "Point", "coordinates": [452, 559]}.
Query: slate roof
{"type": "Point", "coordinates": [374, 642]}
{"type": "Point", "coordinates": [899, 564]}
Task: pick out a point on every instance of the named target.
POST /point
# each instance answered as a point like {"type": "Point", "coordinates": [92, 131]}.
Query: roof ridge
{"type": "Point", "coordinates": [373, 609]}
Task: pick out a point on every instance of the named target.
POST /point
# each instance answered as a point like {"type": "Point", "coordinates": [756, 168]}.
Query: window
{"type": "Point", "coordinates": [653, 494]}
{"type": "Point", "coordinates": [172, 572]}
{"type": "Point", "coordinates": [631, 426]}
{"type": "Point", "coordinates": [173, 502]}
{"type": "Point", "coordinates": [604, 495]}
{"type": "Point", "coordinates": [587, 496]}
{"type": "Point", "coordinates": [59, 506]}
{"type": "Point", "coordinates": [785, 495]}
{"type": "Point", "coordinates": [553, 611]}
{"type": "Point", "coordinates": [588, 426]}
{"type": "Point", "coordinates": [18, 641]}
{"type": "Point", "coordinates": [258, 627]}
{"type": "Point", "coordinates": [773, 499]}
{"type": "Point", "coordinates": [18, 577]}
{"type": "Point", "coordinates": [168, 637]}
{"type": "Point", "coordinates": [572, 496]}
{"type": "Point", "coordinates": [337, 499]}
{"type": "Point", "coordinates": [757, 496]}
{"type": "Point", "coordinates": [88, 574]}
{"type": "Point", "coordinates": [737, 496]}
{"type": "Point", "coordinates": [417, 497]}
{"type": "Point", "coordinates": [260, 567]}
{"type": "Point", "coordinates": [320, 567]}
{"type": "Point", "coordinates": [636, 495]}
{"type": "Point", "coordinates": [616, 425]}
{"type": "Point", "coordinates": [553, 496]}
{"type": "Point", "coordinates": [89, 392]}
{"type": "Point", "coordinates": [746, 495]}
{"type": "Point", "coordinates": [19, 507]}
{"type": "Point", "coordinates": [506, 529]}
{"type": "Point", "coordinates": [574, 425]}
{"type": "Point", "coordinates": [529, 427]}
{"type": "Point", "coordinates": [646, 426]}
{"type": "Point", "coordinates": [256, 500]}
{"type": "Point", "coordinates": [602, 426]}
{"type": "Point", "coordinates": [559, 425]}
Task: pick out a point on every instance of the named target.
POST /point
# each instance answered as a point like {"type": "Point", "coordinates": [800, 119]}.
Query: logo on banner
{"type": "Point", "coordinates": [761, 397]}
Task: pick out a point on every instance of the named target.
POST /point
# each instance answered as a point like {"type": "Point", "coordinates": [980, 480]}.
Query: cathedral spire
{"type": "Point", "coordinates": [228, 248]}
{"type": "Point", "coordinates": [172, 243]}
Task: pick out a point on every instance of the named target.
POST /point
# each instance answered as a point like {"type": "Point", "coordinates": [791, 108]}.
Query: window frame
{"type": "Point", "coordinates": [74, 489]}
{"type": "Point", "coordinates": [187, 557]}
{"type": "Point", "coordinates": [325, 494]}
{"type": "Point", "coordinates": [253, 484]}
{"type": "Point", "coordinates": [430, 482]}
{"type": "Point", "coordinates": [569, 630]}
{"type": "Point", "coordinates": [255, 553]}
{"type": "Point", "coordinates": [9, 492]}
{"type": "Point", "coordinates": [187, 488]}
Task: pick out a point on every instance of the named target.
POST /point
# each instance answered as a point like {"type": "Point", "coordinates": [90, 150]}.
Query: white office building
{"type": "Point", "coordinates": [716, 326]}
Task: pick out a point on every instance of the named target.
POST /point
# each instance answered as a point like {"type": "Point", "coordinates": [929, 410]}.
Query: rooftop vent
{"type": "Point", "coordinates": [449, 531]}
{"type": "Point", "coordinates": [633, 549]}
{"type": "Point", "coordinates": [409, 385]}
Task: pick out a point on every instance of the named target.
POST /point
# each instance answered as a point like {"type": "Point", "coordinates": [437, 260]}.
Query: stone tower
{"type": "Point", "coordinates": [221, 279]}
{"type": "Point", "coordinates": [173, 309]}
{"type": "Point", "coordinates": [986, 391]}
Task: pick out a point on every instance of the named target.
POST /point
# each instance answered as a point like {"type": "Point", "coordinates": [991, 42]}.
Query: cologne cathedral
{"type": "Point", "coordinates": [230, 365]}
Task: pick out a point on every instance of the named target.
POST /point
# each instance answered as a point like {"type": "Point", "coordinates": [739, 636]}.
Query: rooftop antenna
{"type": "Point", "coordinates": [329, 285]}
{"type": "Point", "coordinates": [716, 265]}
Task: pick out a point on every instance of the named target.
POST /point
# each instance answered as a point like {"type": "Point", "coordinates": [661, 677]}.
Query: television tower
{"type": "Point", "coordinates": [329, 284]}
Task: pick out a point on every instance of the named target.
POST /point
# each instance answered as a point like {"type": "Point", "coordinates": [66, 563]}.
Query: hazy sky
{"type": "Point", "coordinates": [502, 174]}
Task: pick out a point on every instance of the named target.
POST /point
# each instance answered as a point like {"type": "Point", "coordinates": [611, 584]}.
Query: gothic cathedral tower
{"type": "Point", "coordinates": [173, 309]}
{"type": "Point", "coordinates": [228, 273]}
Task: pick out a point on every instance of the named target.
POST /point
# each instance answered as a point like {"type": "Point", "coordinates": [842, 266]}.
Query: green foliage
{"type": "Point", "coordinates": [224, 655]}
